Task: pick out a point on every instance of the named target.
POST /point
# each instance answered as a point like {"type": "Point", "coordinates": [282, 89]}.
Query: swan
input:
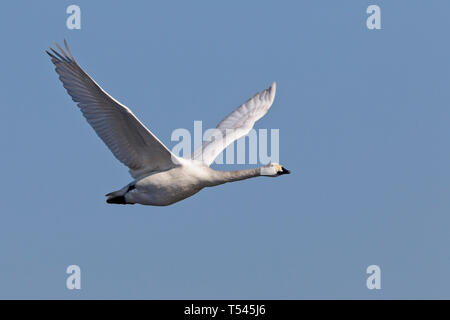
{"type": "Point", "coordinates": [160, 177]}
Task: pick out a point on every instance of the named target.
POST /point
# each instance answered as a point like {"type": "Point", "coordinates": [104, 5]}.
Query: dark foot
{"type": "Point", "coordinates": [117, 200]}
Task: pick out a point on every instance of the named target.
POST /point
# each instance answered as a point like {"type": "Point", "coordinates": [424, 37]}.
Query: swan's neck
{"type": "Point", "coordinates": [220, 177]}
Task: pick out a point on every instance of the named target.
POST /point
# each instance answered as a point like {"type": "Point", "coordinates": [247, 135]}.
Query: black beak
{"type": "Point", "coordinates": [284, 171]}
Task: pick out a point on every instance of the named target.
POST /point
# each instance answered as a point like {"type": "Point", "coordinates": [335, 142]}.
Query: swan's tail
{"type": "Point", "coordinates": [116, 193]}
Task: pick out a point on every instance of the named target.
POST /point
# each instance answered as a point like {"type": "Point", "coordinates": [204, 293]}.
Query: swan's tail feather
{"type": "Point", "coordinates": [115, 193]}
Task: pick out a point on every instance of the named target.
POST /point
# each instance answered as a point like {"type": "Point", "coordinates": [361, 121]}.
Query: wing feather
{"type": "Point", "coordinates": [236, 125]}
{"type": "Point", "coordinates": [127, 138]}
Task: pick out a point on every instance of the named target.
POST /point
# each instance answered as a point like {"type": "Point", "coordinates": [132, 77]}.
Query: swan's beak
{"type": "Point", "coordinates": [284, 171]}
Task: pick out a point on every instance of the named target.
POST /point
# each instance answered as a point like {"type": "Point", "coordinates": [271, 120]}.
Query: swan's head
{"type": "Point", "coordinates": [274, 170]}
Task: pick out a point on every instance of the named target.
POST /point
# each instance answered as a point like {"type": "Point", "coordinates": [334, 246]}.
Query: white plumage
{"type": "Point", "coordinates": [161, 178]}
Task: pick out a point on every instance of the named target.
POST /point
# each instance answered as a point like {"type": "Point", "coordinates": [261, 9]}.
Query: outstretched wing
{"type": "Point", "coordinates": [127, 138]}
{"type": "Point", "coordinates": [236, 125]}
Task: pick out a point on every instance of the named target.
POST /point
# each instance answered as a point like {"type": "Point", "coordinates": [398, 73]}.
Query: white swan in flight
{"type": "Point", "coordinates": [160, 177]}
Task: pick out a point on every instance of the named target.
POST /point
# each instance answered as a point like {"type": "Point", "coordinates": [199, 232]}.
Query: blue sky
{"type": "Point", "coordinates": [364, 127]}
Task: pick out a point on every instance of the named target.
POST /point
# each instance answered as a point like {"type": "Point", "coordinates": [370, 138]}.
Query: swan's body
{"type": "Point", "coordinates": [161, 178]}
{"type": "Point", "coordinates": [166, 187]}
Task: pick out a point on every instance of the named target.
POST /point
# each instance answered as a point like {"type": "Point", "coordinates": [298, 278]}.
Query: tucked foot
{"type": "Point", "coordinates": [117, 200]}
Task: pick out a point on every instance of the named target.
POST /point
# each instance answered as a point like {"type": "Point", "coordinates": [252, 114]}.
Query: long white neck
{"type": "Point", "coordinates": [220, 177]}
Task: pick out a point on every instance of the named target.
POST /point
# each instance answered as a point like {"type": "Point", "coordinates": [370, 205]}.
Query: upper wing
{"type": "Point", "coordinates": [236, 125]}
{"type": "Point", "coordinates": [127, 138]}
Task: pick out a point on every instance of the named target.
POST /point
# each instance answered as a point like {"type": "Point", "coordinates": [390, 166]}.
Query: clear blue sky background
{"type": "Point", "coordinates": [364, 126]}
